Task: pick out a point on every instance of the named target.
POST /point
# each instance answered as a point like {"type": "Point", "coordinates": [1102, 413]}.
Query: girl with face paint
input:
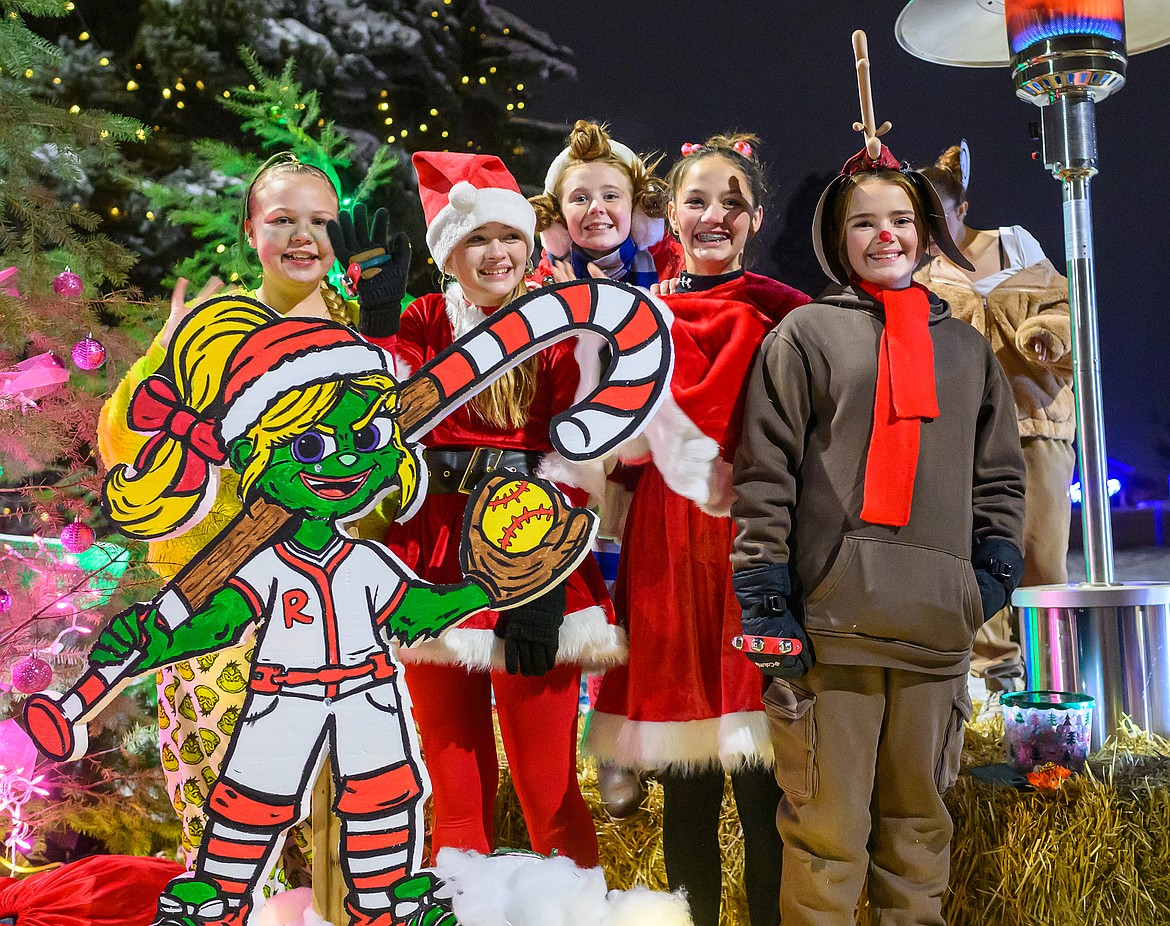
{"type": "Point", "coordinates": [688, 707]}
{"type": "Point", "coordinates": [283, 218]}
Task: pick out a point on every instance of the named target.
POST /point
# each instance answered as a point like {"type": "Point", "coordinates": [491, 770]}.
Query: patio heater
{"type": "Point", "coordinates": [1102, 638]}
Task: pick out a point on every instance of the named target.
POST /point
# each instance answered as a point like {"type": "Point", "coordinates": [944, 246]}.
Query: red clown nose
{"type": "Point", "coordinates": [886, 236]}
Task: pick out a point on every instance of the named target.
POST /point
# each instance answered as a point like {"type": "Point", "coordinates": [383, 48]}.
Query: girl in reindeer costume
{"type": "Point", "coordinates": [480, 232]}
{"type": "Point", "coordinates": [687, 706]}
{"type": "Point", "coordinates": [879, 506]}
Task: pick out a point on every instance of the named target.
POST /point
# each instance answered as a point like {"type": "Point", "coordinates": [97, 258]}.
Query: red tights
{"type": "Point", "coordinates": [538, 724]}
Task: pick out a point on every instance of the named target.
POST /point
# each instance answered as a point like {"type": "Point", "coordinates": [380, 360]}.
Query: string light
{"type": "Point", "coordinates": [179, 105]}
{"type": "Point", "coordinates": [166, 93]}
{"type": "Point", "coordinates": [520, 105]}
{"type": "Point", "coordinates": [464, 79]}
{"type": "Point", "coordinates": [84, 37]}
{"type": "Point", "coordinates": [491, 70]}
{"type": "Point", "coordinates": [199, 85]}
{"type": "Point", "coordinates": [445, 134]}
{"type": "Point", "coordinates": [104, 62]}
{"type": "Point", "coordinates": [74, 109]}
{"type": "Point", "coordinates": [28, 72]}
{"type": "Point", "coordinates": [383, 106]}
{"type": "Point", "coordinates": [422, 127]}
{"type": "Point", "coordinates": [220, 248]}
{"type": "Point", "coordinates": [179, 86]}
{"type": "Point", "coordinates": [149, 216]}
{"type": "Point", "coordinates": [519, 86]}
{"type": "Point", "coordinates": [434, 112]}
{"type": "Point", "coordinates": [131, 85]}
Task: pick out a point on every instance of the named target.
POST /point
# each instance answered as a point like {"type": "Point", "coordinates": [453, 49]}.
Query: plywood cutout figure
{"type": "Point", "coordinates": [310, 416]}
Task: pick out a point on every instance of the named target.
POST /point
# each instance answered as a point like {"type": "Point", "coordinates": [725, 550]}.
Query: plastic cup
{"type": "Point", "coordinates": [1047, 726]}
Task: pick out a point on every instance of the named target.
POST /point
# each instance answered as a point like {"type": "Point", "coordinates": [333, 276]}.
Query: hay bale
{"type": "Point", "coordinates": [1094, 853]}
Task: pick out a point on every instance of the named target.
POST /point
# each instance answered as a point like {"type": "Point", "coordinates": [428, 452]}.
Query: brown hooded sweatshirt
{"type": "Point", "coordinates": [868, 594]}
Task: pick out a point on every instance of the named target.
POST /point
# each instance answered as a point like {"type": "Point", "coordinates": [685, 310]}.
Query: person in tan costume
{"type": "Point", "coordinates": [1019, 301]}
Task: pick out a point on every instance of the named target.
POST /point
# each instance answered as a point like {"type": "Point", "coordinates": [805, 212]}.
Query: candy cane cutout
{"type": "Point", "coordinates": [631, 389]}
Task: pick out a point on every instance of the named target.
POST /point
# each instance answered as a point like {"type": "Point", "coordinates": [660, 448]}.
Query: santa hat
{"type": "Point", "coordinates": [461, 192]}
{"type": "Point", "coordinates": [287, 354]}
{"type": "Point", "coordinates": [645, 231]}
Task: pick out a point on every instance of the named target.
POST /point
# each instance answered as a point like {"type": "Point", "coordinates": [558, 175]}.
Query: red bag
{"type": "Point", "coordinates": [102, 890]}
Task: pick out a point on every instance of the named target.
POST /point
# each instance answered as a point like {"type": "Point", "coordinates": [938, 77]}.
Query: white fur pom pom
{"type": "Point", "coordinates": [463, 196]}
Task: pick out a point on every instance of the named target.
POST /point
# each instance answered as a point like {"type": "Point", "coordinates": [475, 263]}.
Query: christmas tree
{"type": "Point", "coordinates": [450, 74]}
{"type": "Point", "coordinates": [64, 318]}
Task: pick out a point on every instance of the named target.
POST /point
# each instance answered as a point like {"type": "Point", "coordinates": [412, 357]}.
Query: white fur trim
{"type": "Point", "coordinates": [640, 906]}
{"type": "Point", "coordinates": [344, 359]}
{"type": "Point", "coordinates": [646, 231]}
{"type": "Point", "coordinates": [491, 204]}
{"type": "Point", "coordinates": [731, 741]}
{"type": "Point", "coordinates": [688, 459]}
{"type": "Point", "coordinates": [587, 639]}
{"type": "Point", "coordinates": [563, 161]}
{"type": "Point", "coordinates": [589, 475]}
{"type": "Point", "coordinates": [462, 315]}
{"type": "Point", "coordinates": [525, 889]}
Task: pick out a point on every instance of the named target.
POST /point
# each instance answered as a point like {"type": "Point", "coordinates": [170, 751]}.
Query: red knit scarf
{"type": "Point", "coordinates": [905, 395]}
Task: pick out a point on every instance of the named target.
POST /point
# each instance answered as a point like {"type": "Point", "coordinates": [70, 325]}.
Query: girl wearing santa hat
{"type": "Point", "coordinates": [480, 233]}
{"type": "Point", "coordinates": [688, 707]}
{"type": "Point", "coordinates": [603, 208]}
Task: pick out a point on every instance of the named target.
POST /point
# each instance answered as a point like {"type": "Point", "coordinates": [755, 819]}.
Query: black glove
{"type": "Point", "coordinates": [532, 633]}
{"type": "Point", "coordinates": [998, 566]}
{"type": "Point", "coordinates": [383, 267]}
{"type": "Point", "coordinates": [785, 650]}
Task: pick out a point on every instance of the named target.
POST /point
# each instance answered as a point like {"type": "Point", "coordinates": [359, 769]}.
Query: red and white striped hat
{"type": "Point", "coordinates": [287, 354]}
{"type": "Point", "coordinates": [461, 192]}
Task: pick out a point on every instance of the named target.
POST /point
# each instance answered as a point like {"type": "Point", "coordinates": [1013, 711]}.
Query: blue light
{"type": "Point", "coordinates": [1067, 24]}
{"type": "Point", "coordinates": [1112, 486]}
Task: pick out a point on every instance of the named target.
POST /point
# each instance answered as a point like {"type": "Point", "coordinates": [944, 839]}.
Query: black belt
{"type": "Point", "coordinates": [454, 471]}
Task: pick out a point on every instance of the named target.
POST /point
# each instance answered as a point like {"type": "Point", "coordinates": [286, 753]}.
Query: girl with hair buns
{"type": "Point", "coordinates": [601, 214]}
{"type": "Point", "coordinates": [528, 660]}
{"type": "Point", "coordinates": [283, 218]}
{"type": "Point", "coordinates": [1017, 299]}
{"type": "Point", "coordinates": [688, 706]}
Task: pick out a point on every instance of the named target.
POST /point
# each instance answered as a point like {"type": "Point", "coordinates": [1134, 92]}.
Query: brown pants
{"type": "Point", "coordinates": [863, 754]}
{"type": "Point", "coordinates": [1049, 465]}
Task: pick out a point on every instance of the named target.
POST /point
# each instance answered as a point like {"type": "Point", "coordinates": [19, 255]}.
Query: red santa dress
{"type": "Point", "coordinates": [686, 700]}
{"type": "Point", "coordinates": [429, 542]}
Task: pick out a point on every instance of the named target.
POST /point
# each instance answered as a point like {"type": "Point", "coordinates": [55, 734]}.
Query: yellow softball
{"type": "Point", "coordinates": [517, 516]}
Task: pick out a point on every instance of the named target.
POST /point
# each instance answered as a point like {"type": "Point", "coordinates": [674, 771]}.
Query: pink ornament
{"type": "Point", "coordinates": [89, 353]}
{"type": "Point", "coordinates": [31, 674]}
{"type": "Point", "coordinates": [77, 537]}
{"type": "Point", "coordinates": [18, 753]}
{"type": "Point", "coordinates": [5, 601]}
{"type": "Point", "coordinates": [68, 284]}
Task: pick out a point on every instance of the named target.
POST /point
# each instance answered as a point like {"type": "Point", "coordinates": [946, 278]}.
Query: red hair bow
{"type": "Point", "coordinates": [690, 148]}
{"type": "Point", "coordinates": [742, 147]}
{"type": "Point", "coordinates": [157, 409]}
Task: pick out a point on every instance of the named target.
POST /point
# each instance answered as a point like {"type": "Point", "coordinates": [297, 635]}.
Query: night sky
{"type": "Point", "coordinates": [662, 77]}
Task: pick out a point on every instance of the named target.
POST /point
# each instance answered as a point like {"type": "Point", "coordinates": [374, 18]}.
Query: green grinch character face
{"type": "Point", "coordinates": [338, 468]}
